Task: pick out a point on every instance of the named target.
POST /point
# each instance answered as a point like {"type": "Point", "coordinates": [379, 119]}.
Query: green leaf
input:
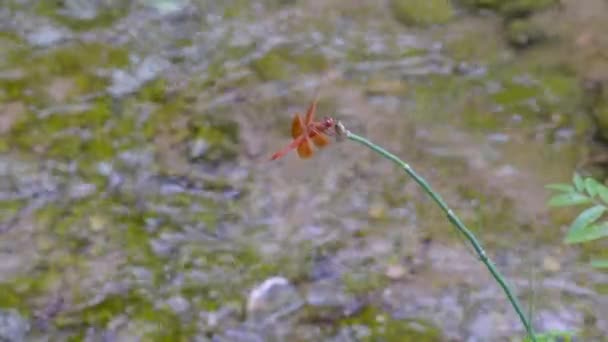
{"type": "Point", "coordinates": [603, 192]}
{"type": "Point", "coordinates": [592, 186]}
{"type": "Point", "coordinates": [590, 233]}
{"type": "Point", "coordinates": [578, 182]}
{"type": "Point", "coordinates": [560, 187]}
{"type": "Point", "coordinates": [584, 219]}
{"type": "Point", "coordinates": [599, 263]}
{"type": "Point", "coordinates": [564, 200]}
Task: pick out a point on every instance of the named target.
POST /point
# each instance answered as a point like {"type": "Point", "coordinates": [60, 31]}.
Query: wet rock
{"type": "Point", "coordinates": [82, 10]}
{"type": "Point", "coordinates": [395, 272]}
{"type": "Point", "coordinates": [355, 332]}
{"type": "Point", "coordinates": [60, 89]}
{"type": "Point", "coordinates": [178, 304]}
{"type": "Point", "coordinates": [240, 335]}
{"type": "Point", "coordinates": [142, 275]}
{"type": "Point", "coordinates": [326, 294]}
{"type": "Point", "coordinates": [13, 327]}
{"type": "Point", "coordinates": [272, 299]}
{"type": "Point", "coordinates": [328, 301]}
{"type": "Point", "coordinates": [82, 190]}
{"type": "Point", "coordinates": [46, 36]}
{"type": "Point", "coordinates": [124, 83]}
{"type": "Point", "coordinates": [226, 315]}
{"type": "Point", "coordinates": [421, 12]}
{"type": "Point", "coordinates": [9, 114]}
{"type": "Point", "coordinates": [166, 7]}
{"type": "Point", "coordinates": [162, 247]}
{"type": "Point", "coordinates": [198, 147]}
{"type": "Point", "coordinates": [561, 320]}
{"type": "Point", "coordinates": [488, 326]}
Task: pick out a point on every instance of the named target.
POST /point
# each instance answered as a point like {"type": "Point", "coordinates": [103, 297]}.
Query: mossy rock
{"type": "Point", "coordinates": [512, 8]}
{"type": "Point", "coordinates": [271, 66]}
{"type": "Point", "coordinates": [282, 62]}
{"type": "Point", "coordinates": [421, 12]}
{"type": "Point", "coordinates": [523, 33]}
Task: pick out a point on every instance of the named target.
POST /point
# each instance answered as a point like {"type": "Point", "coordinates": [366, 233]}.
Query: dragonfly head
{"type": "Point", "coordinates": [328, 122]}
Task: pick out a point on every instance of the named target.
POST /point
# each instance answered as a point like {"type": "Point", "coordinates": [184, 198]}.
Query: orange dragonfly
{"type": "Point", "coordinates": [307, 132]}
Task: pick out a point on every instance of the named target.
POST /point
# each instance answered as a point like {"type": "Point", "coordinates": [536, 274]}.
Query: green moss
{"type": "Point", "coordinates": [512, 8]}
{"type": "Point", "coordinates": [153, 91]}
{"type": "Point", "coordinates": [10, 297]}
{"type": "Point", "coordinates": [80, 57]}
{"type": "Point", "coordinates": [271, 66]}
{"type": "Point", "coordinates": [86, 83]}
{"type": "Point", "coordinates": [363, 284]}
{"type": "Point", "coordinates": [522, 33]}
{"type": "Point", "coordinates": [77, 64]}
{"type": "Point", "coordinates": [13, 89]}
{"type": "Point", "coordinates": [105, 18]}
{"type": "Point", "coordinates": [279, 63]}
{"type": "Point", "coordinates": [98, 148]}
{"type": "Point", "coordinates": [476, 44]}
{"type": "Point", "coordinates": [236, 8]}
{"type": "Point", "coordinates": [10, 208]}
{"type": "Point", "coordinates": [221, 136]}
{"type": "Point", "coordinates": [53, 133]}
{"type": "Point", "coordinates": [537, 94]}
{"type": "Point", "coordinates": [21, 290]}
{"type": "Point", "coordinates": [11, 45]}
{"type": "Point", "coordinates": [64, 147]}
{"type": "Point", "coordinates": [385, 328]}
{"type": "Point", "coordinates": [162, 120]}
{"type": "Point", "coordinates": [515, 93]}
{"type": "Point", "coordinates": [421, 12]}
{"type": "Point", "coordinates": [309, 62]}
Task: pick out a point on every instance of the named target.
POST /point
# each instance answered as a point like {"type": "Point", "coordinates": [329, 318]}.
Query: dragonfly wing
{"type": "Point", "coordinates": [295, 143]}
{"type": "Point", "coordinates": [305, 149]}
{"type": "Point", "coordinates": [297, 126]}
{"type": "Point", "coordinates": [320, 139]}
{"type": "Point", "coordinates": [310, 113]}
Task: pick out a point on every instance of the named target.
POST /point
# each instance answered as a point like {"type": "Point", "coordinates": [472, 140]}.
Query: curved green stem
{"type": "Point", "coordinates": [455, 221]}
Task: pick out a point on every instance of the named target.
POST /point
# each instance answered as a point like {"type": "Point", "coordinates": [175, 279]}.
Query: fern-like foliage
{"type": "Point", "coordinates": [590, 224]}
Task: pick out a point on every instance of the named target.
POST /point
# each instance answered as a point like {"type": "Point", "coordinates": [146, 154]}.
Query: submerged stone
{"type": "Point", "coordinates": [178, 304]}
{"type": "Point", "coordinates": [274, 298]}
{"type": "Point", "coordinates": [46, 36]}
{"type": "Point", "coordinates": [124, 83]}
{"type": "Point", "coordinates": [13, 327]}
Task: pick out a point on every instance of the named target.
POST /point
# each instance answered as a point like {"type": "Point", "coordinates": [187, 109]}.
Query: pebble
{"type": "Point", "coordinates": [551, 264]}
{"type": "Point", "coordinates": [395, 272]}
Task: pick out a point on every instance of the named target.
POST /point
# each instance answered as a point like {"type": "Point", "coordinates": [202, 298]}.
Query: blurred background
{"type": "Point", "coordinates": [137, 201]}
